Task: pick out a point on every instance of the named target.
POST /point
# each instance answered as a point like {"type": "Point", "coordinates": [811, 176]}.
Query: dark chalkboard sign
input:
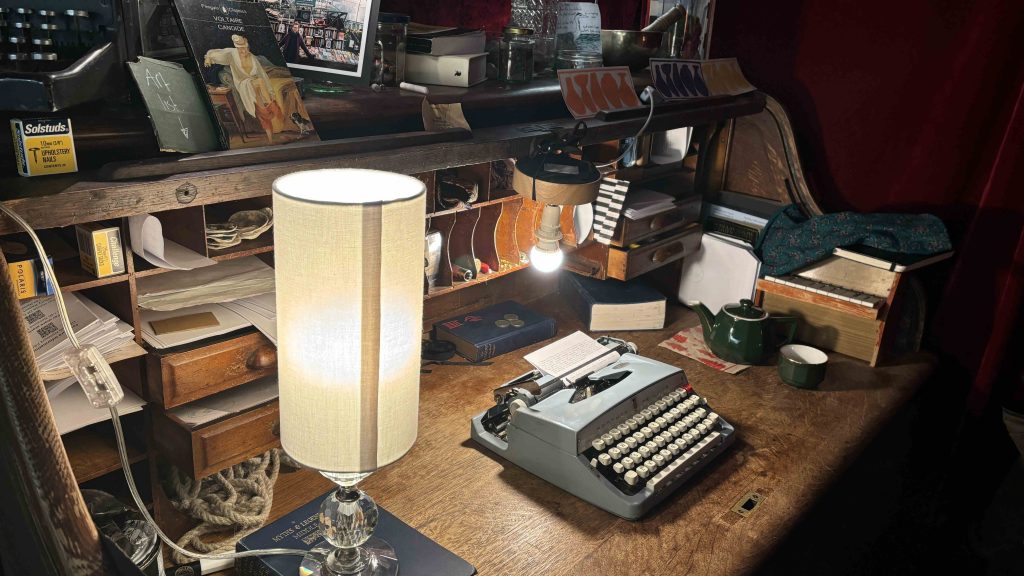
{"type": "Point", "coordinates": [179, 114]}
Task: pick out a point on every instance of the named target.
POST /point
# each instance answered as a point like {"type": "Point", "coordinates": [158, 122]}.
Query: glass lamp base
{"type": "Point", "coordinates": [380, 560]}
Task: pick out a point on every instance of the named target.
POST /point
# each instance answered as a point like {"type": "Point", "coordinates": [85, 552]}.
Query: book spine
{"type": "Point", "coordinates": [522, 337]}
{"type": "Point", "coordinates": [731, 229]}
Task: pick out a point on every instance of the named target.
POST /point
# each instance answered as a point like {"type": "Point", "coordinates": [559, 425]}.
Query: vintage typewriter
{"type": "Point", "coordinates": [622, 432]}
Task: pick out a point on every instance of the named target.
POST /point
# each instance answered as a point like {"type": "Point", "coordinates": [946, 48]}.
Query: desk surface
{"type": "Point", "coordinates": [791, 444]}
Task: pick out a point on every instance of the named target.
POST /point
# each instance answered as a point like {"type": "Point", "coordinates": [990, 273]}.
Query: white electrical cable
{"type": "Point", "coordinates": [64, 319]}
{"type": "Point", "coordinates": [636, 139]}
{"type": "Point", "coordinates": [115, 418]}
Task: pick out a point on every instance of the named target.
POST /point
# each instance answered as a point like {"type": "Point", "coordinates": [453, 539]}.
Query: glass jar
{"type": "Point", "coordinates": [541, 16]}
{"type": "Point", "coordinates": [515, 55]}
{"type": "Point", "coordinates": [389, 52]}
{"type": "Point", "coordinates": [575, 59]}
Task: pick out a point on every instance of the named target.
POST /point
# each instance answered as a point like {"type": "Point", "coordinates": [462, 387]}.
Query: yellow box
{"type": "Point", "coordinates": [28, 278]}
{"type": "Point", "coordinates": [99, 249]}
{"type": "Point", "coordinates": [44, 146]}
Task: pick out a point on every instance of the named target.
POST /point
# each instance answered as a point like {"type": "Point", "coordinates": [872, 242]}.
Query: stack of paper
{"type": "Point", "coordinates": [258, 311]}
{"type": "Point", "coordinates": [261, 311]}
{"type": "Point", "coordinates": [225, 282]}
{"type": "Point", "coordinates": [643, 203]}
{"type": "Point", "coordinates": [72, 410]}
{"type": "Point", "coordinates": [92, 325]}
{"type": "Point", "coordinates": [226, 403]}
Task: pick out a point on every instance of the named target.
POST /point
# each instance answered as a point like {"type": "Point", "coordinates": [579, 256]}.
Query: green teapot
{"type": "Point", "coordinates": [743, 333]}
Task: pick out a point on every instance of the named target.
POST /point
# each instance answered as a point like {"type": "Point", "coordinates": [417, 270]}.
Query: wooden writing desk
{"type": "Point", "coordinates": [791, 445]}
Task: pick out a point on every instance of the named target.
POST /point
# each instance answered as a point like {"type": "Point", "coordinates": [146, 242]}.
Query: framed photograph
{"type": "Point", "coordinates": [343, 32]}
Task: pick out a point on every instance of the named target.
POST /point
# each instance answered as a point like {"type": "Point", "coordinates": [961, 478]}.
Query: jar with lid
{"type": "Point", "coordinates": [515, 55]}
{"type": "Point", "coordinates": [576, 59]}
{"type": "Point", "coordinates": [389, 52]}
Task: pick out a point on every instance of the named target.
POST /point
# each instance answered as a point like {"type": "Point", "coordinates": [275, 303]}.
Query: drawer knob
{"type": "Point", "coordinates": [665, 252]}
{"type": "Point", "coordinates": [262, 358]}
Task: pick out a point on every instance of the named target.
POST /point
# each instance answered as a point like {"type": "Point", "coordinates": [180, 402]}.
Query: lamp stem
{"type": "Point", "coordinates": [348, 517]}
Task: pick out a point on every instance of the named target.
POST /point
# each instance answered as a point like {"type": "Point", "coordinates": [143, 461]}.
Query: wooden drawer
{"type": "Point", "coordinates": [175, 378]}
{"type": "Point", "coordinates": [630, 231]}
{"type": "Point", "coordinates": [625, 264]}
{"type": "Point", "coordinates": [212, 447]}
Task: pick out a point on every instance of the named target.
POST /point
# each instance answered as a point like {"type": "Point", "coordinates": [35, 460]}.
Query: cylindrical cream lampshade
{"type": "Point", "coordinates": [348, 253]}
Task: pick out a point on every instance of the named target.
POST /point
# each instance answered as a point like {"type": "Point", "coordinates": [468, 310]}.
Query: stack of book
{"type": "Point", "coordinates": [445, 56]}
{"type": "Point", "coordinates": [738, 215]}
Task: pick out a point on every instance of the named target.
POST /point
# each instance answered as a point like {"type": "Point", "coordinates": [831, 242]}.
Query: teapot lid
{"type": "Point", "coordinates": [745, 310]}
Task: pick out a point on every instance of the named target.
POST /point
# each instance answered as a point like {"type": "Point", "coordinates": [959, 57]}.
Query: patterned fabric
{"type": "Point", "coordinates": [608, 207]}
{"type": "Point", "coordinates": [791, 240]}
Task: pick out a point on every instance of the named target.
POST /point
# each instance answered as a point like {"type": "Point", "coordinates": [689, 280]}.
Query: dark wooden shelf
{"type": "Point", "coordinates": [482, 279]}
{"type": "Point", "coordinates": [92, 451]}
{"type": "Point", "coordinates": [62, 201]}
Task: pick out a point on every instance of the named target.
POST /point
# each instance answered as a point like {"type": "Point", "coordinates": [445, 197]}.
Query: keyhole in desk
{"type": "Point", "coordinates": [186, 193]}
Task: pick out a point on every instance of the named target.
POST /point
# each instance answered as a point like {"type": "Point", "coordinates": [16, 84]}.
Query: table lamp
{"type": "Point", "coordinates": [349, 266]}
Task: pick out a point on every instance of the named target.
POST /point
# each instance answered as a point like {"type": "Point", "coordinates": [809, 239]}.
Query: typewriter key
{"type": "Point", "coordinates": [501, 323]}
{"type": "Point", "coordinates": [49, 56]}
{"type": "Point", "coordinates": [511, 317]}
{"type": "Point", "coordinates": [517, 323]}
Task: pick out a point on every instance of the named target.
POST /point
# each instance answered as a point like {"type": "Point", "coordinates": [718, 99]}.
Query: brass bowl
{"type": "Point", "coordinates": [630, 48]}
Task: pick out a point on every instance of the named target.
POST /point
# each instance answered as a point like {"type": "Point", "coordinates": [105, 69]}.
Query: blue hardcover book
{"type": "Point", "coordinates": [610, 305]}
{"type": "Point", "coordinates": [417, 554]}
{"type": "Point", "coordinates": [494, 330]}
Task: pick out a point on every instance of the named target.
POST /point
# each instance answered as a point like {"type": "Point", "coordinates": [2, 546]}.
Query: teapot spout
{"type": "Point", "coordinates": [707, 319]}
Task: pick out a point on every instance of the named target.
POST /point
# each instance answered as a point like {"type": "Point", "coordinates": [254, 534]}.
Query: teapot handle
{"type": "Point", "coordinates": [791, 325]}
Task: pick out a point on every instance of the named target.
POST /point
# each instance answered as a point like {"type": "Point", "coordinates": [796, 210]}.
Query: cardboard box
{"type": "Point", "coordinates": [44, 146]}
{"type": "Point", "coordinates": [99, 249]}
{"type": "Point", "coordinates": [463, 70]}
{"type": "Point", "coordinates": [29, 279]}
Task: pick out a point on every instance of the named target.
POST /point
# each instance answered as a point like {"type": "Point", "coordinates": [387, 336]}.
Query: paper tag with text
{"type": "Point", "coordinates": [591, 90]}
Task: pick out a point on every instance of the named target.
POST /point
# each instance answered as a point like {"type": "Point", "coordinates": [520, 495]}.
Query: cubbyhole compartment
{"type": "Point", "coordinates": [501, 178]}
{"type": "Point", "coordinates": [526, 226]}
{"type": "Point", "coordinates": [453, 185]}
{"type": "Point", "coordinates": [430, 182]}
{"type": "Point", "coordinates": [444, 224]}
{"type": "Point", "coordinates": [485, 239]}
{"type": "Point", "coordinates": [460, 246]}
{"type": "Point", "coordinates": [222, 214]}
{"type": "Point", "coordinates": [509, 254]}
{"type": "Point", "coordinates": [184, 226]}
{"type": "Point", "coordinates": [61, 247]}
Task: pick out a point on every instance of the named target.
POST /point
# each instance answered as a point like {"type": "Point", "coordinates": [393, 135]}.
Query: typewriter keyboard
{"type": "Point", "coordinates": [657, 444]}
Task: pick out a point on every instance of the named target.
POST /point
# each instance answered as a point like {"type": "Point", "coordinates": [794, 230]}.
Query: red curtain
{"type": "Point", "coordinates": [910, 106]}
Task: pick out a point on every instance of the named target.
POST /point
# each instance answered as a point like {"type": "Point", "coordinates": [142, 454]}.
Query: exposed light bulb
{"type": "Point", "coordinates": [546, 255]}
{"type": "Point", "coordinates": [545, 260]}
